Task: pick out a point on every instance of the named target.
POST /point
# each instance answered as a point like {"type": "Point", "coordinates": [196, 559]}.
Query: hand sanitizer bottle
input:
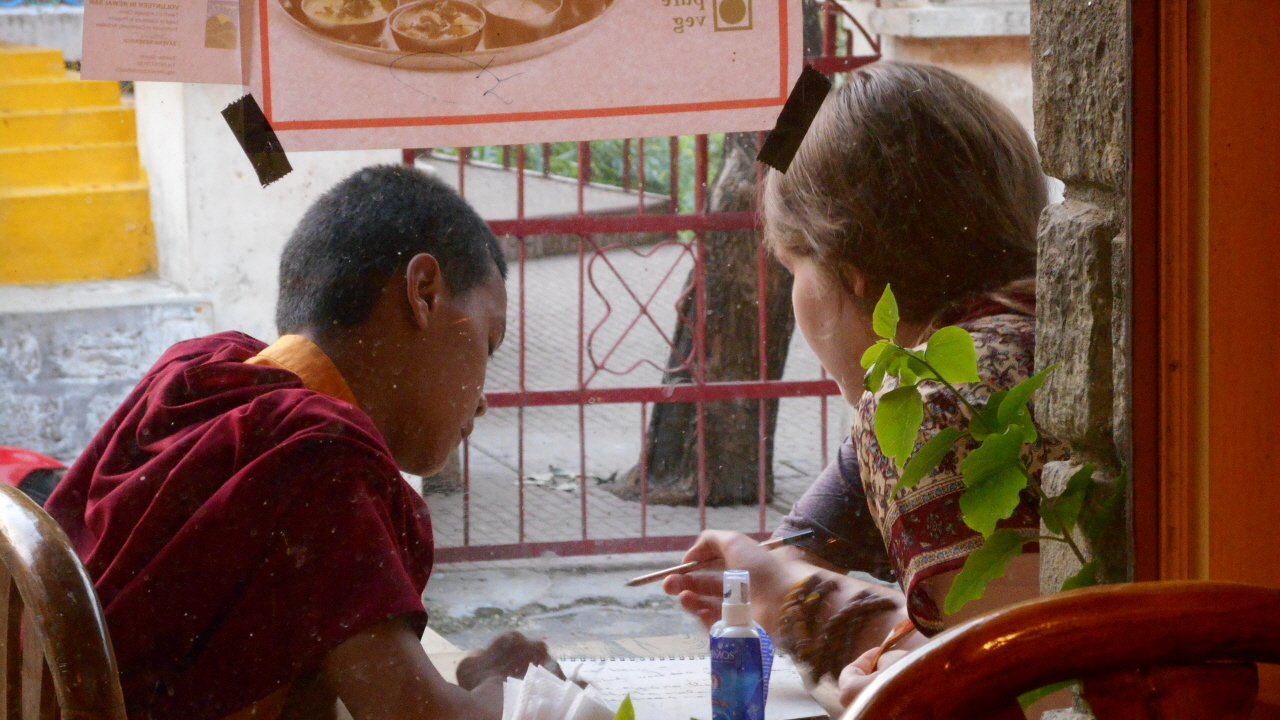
{"type": "Point", "coordinates": [739, 668]}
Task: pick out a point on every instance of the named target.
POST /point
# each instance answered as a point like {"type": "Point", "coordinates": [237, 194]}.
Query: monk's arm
{"type": "Point", "coordinates": [384, 673]}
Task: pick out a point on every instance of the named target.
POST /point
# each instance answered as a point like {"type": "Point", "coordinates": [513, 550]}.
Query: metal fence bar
{"type": "Point", "coordinates": [683, 393]}
{"type": "Point", "coordinates": [524, 340]}
{"type": "Point", "coordinates": [607, 224]}
{"type": "Point", "coordinates": [674, 174]}
{"type": "Point", "coordinates": [584, 158]}
{"type": "Point", "coordinates": [466, 491]}
{"type": "Point", "coordinates": [644, 471]}
{"type": "Point", "coordinates": [640, 164]}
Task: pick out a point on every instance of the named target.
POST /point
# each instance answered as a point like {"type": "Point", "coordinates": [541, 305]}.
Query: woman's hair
{"type": "Point", "coordinates": [916, 178]}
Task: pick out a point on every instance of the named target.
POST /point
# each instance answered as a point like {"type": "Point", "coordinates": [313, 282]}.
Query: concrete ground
{"type": "Point", "coordinates": [563, 601]}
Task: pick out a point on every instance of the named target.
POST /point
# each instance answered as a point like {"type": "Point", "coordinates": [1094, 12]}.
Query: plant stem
{"type": "Point", "coordinates": [1045, 504]}
{"type": "Point", "coordinates": [938, 377]}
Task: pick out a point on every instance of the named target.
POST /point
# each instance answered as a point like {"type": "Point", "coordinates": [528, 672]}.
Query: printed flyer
{"type": "Point", "coordinates": [174, 40]}
{"type": "Point", "coordinates": [333, 74]}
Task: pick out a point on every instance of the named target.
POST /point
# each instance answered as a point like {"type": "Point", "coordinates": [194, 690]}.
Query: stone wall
{"type": "Point", "coordinates": [66, 366]}
{"type": "Point", "coordinates": [1080, 66]}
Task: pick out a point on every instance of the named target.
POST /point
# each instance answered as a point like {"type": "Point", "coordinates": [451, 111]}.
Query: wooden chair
{"type": "Point", "coordinates": [55, 655]}
{"type": "Point", "coordinates": [1143, 651]}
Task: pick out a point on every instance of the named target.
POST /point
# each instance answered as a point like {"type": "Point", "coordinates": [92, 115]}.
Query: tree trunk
{"type": "Point", "coordinates": [731, 428]}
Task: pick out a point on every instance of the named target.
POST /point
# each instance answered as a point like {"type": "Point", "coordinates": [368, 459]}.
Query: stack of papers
{"type": "Point", "coordinates": [543, 696]}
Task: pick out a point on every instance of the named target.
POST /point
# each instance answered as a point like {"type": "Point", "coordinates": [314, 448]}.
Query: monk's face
{"type": "Point", "coordinates": [444, 384]}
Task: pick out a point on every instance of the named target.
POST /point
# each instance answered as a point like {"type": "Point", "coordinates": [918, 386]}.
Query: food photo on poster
{"type": "Point", "coordinates": [333, 74]}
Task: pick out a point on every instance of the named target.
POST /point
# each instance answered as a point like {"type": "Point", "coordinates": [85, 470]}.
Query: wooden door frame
{"type": "Point", "coordinates": [1168, 117]}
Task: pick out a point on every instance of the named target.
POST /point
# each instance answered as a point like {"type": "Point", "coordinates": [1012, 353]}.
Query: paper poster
{"type": "Point", "coordinates": [333, 74]}
{"type": "Point", "coordinates": [174, 40]}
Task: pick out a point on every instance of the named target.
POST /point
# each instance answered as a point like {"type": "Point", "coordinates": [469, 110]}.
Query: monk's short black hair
{"type": "Point", "coordinates": [366, 229]}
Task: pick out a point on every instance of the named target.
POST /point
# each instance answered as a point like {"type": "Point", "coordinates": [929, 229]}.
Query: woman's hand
{"type": "Point", "coordinates": [700, 593]}
{"type": "Point", "coordinates": [858, 674]}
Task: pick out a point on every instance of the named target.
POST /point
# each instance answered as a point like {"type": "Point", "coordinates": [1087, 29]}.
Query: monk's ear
{"type": "Point", "coordinates": [425, 288]}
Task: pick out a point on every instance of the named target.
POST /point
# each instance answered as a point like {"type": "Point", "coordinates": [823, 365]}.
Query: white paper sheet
{"type": "Point", "coordinates": [662, 688]}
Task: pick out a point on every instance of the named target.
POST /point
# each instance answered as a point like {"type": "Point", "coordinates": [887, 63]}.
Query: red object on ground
{"type": "Point", "coordinates": [16, 464]}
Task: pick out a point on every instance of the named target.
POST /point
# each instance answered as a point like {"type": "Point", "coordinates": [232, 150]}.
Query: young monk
{"type": "Point", "coordinates": [911, 177]}
{"type": "Point", "coordinates": [242, 514]}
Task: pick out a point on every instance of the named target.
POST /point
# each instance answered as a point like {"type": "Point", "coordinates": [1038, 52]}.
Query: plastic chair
{"type": "Point", "coordinates": [55, 654]}
{"type": "Point", "coordinates": [1143, 651]}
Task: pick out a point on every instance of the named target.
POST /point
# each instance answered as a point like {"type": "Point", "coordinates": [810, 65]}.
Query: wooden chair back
{"type": "Point", "coordinates": [55, 654]}
{"type": "Point", "coordinates": [1143, 651]}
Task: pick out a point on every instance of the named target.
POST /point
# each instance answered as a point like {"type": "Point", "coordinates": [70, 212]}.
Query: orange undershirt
{"type": "Point", "coordinates": [305, 359]}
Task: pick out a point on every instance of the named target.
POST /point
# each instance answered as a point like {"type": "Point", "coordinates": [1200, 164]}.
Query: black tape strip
{"type": "Point", "coordinates": [793, 122]}
{"type": "Point", "coordinates": [257, 139]}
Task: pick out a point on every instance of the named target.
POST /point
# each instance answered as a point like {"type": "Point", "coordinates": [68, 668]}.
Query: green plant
{"type": "Point", "coordinates": [994, 472]}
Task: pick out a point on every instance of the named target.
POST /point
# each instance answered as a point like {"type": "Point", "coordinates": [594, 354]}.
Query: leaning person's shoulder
{"type": "Point", "coordinates": [1005, 346]}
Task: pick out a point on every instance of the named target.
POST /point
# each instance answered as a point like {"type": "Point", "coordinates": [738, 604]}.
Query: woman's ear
{"type": "Point", "coordinates": [425, 288]}
{"type": "Point", "coordinates": [857, 282]}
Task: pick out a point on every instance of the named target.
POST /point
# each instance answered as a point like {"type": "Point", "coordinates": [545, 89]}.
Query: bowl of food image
{"type": "Point", "coordinates": [516, 22]}
{"type": "Point", "coordinates": [356, 21]}
{"type": "Point", "coordinates": [444, 26]}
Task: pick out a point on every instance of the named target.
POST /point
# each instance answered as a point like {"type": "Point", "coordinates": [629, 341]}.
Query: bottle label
{"type": "Point", "coordinates": [766, 655]}
{"type": "Point", "coordinates": [737, 679]}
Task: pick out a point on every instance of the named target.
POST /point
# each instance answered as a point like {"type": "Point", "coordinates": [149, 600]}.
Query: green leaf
{"type": "Point", "coordinates": [626, 711]}
{"type": "Point", "coordinates": [982, 566]}
{"type": "Point", "coordinates": [918, 367]}
{"type": "Point", "coordinates": [897, 422]}
{"type": "Point", "coordinates": [1027, 699]}
{"type": "Point", "coordinates": [1087, 577]}
{"type": "Point", "coordinates": [884, 320]}
{"type": "Point", "coordinates": [995, 454]}
{"type": "Point", "coordinates": [950, 352]}
{"type": "Point", "coordinates": [986, 503]}
{"type": "Point", "coordinates": [994, 474]}
{"type": "Point", "coordinates": [1103, 507]}
{"type": "Point", "coordinates": [872, 353]}
{"type": "Point", "coordinates": [986, 422]}
{"type": "Point", "coordinates": [1014, 411]}
{"type": "Point", "coordinates": [874, 379]}
{"type": "Point", "coordinates": [1066, 507]}
{"type": "Point", "coordinates": [927, 458]}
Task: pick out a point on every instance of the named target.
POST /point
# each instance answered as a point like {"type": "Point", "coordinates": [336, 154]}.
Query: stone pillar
{"type": "Point", "coordinates": [1080, 76]}
{"type": "Point", "coordinates": [1080, 67]}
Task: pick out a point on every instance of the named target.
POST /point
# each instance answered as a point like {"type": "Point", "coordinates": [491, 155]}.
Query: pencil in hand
{"type": "Point", "coordinates": [690, 566]}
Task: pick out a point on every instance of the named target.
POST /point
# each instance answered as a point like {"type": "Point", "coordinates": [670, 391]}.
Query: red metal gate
{"type": "Point", "coordinates": [593, 358]}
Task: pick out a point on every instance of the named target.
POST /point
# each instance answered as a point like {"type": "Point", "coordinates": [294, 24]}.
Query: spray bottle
{"type": "Point", "coordinates": [741, 655]}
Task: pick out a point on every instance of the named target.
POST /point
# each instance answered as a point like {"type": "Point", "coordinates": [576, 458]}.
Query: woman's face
{"type": "Point", "coordinates": [832, 320]}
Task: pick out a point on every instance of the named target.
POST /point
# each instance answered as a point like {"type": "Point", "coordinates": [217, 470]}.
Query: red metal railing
{"type": "Point", "coordinates": [594, 363]}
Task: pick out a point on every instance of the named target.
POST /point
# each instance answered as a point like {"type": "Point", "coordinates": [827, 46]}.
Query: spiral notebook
{"type": "Point", "coordinates": [677, 688]}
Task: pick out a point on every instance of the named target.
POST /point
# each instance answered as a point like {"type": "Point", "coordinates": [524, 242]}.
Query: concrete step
{"type": "Point", "coordinates": [40, 128]}
{"type": "Point", "coordinates": [77, 233]}
{"type": "Point", "coordinates": [57, 93]}
{"type": "Point", "coordinates": [68, 165]}
{"type": "Point", "coordinates": [23, 62]}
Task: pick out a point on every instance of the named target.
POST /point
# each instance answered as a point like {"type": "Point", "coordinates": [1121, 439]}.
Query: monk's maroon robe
{"type": "Point", "coordinates": [238, 527]}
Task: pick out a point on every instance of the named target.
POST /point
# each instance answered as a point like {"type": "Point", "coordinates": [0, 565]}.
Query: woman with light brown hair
{"type": "Point", "coordinates": [914, 178]}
